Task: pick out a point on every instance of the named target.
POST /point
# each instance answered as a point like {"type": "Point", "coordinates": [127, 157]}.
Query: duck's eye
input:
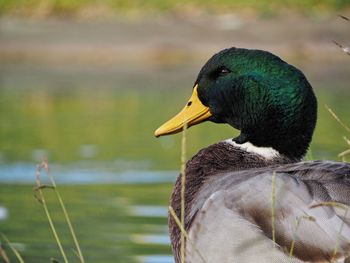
{"type": "Point", "coordinates": [222, 71]}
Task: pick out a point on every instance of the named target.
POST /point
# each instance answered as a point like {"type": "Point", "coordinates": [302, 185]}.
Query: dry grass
{"type": "Point", "coordinates": [184, 233]}
{"type": "Point", "coordinates": [297, 223]}
{"type": "Point", "coordinates": [181, 222]}
{"type": "Point", "coordinates": [183, 188]}
{"type": "Point", "coordinates": [335, 116]}
{"type": "Point", "coordinates": [273, 208]}
{"type": "Point", "coordinates": [345, 49]}
{"type": "Point", "coordinates": [342, 155]}
{"type": "Point", "coordinates": [39, 195]}
{"type": "Point", "coordinates": [3, 254]}
{"type": "Point", "coordinates": [346, 152]}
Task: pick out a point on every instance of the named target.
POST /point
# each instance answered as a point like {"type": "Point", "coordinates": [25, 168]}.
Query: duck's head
{"type": "Point", "coordinates": [268, 100]}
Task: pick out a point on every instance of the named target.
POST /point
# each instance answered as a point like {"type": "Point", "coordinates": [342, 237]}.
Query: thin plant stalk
{"type": "Point", "coordinates": [346, 140]}
{"type": "Point", "coordinates": [336, 248]}
{"type": "Point", "coordinates": [291, 251]}
{"type": "Point", "coordinates": [342, 154]}
{"type": "Point", "coordinates": [346, 209]}
{"type": "Point", "coordinates": [346, 152]}
{"type": "Point", "coordinates": [14, 250]}
{"type": "Point", "coordinates": [343, 48]}
{"type": "Point", "coordinates": [71, 229]}
{"type": "Point", "coordinates": [337, 118]}
{"type": "Point", "coordinates": [43, 202]}
{"type": "Point", "coordinates": [273, 208]}
{"type": "Point", "coordinates": [3, 254]}
{"type": "Point", "coordinates": [297, 223]}
{"type": "Point", "coordinates": [184, 233]}
{"type": "Point", "coordinates": [183, 188]}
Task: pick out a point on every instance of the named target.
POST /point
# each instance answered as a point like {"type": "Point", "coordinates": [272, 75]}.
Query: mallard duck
{"type": "Point", "coordinates": [252, 198]}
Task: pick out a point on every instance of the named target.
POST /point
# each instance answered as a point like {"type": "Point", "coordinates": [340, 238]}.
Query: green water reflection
{"type": "Point", "coordinates": [72, 124]}
{"type": "Point", "coordinates": [106, 224]}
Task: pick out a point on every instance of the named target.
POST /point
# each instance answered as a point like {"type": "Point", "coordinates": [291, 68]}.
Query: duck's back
{"type": "Point", "coordinates": [234, 213]}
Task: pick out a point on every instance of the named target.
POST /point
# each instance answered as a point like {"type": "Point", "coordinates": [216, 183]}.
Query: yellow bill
{"type": "Point", "coordinates": [193, 113]}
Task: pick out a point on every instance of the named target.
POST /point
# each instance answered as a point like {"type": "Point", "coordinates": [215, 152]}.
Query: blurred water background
{"type": "Point", "coordinates": [85, 84]}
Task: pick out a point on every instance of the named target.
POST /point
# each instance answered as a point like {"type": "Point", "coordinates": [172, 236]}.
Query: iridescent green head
{"type": "Point", "coordinates": [268, 100]}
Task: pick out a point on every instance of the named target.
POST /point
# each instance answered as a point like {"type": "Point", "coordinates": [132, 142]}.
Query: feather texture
{"type": "Point", "coordinates": [305, 212]}
{"type": "Point", "coordinates": [229, 208]}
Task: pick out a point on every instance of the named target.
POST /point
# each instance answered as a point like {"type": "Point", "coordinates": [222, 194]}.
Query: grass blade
{"type": "Point", "coordinates": [41, 199]}
{"type": "Point", "coordinates": [296, 225]}
{"type": "Point", "coordinates": [183, 188]}
{"type": "Point", "coordinates": [63, 207]}
{"type": "Point", "coordinates": [337, 118]}
{"type": "Point", "coordinates": [14, 250]}
{"type": "Point", "coordinates": [184, 233]}
{"type": "Point", "coordinates": [3, 254]}
{"type": "Point", "coordinates": [273, 208]}
{"type": "Point", "coordinates": [336, 247]}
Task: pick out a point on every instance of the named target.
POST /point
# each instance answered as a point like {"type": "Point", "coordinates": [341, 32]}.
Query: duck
{"type": "Point", "coordinates": [253, 198]}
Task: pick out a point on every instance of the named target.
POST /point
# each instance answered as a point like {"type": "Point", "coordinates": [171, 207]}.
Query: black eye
{"type": "Point", "coordinates": [222, 71]}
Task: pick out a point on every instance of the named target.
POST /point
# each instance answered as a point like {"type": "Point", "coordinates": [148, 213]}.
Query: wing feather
{"type": "Point", "coordinates": [310, 211]}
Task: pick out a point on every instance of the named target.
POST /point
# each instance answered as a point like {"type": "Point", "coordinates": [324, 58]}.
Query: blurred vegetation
{"type": "Point", "coordinates": [109, 7]}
